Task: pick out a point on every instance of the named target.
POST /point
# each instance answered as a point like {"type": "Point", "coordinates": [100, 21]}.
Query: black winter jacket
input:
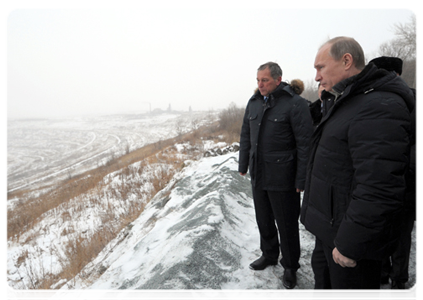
{"type": "Point", "coordinates": [359, 154]}
{"type": "Point", "coordinates": [274, 140]}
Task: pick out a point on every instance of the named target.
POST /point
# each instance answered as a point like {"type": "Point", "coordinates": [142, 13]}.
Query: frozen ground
{"type": "Point", "coordinates": [41, 249]}
{"type": "Point", "coordinates": [44, 150]}
{"type": "Point", "coordinates": [195, 238]}
{"type": "Point", "coordinates": [196, 243]}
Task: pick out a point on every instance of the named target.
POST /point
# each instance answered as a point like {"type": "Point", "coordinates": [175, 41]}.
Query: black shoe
{"type": "Point", "coordinates": [384, 279]}
{"type": "Point", "coordinates": [262, 263]}
{"type": "Point", "coordinates": [289, 278]}
{"type": "Point", "coordinates": [398, 290]}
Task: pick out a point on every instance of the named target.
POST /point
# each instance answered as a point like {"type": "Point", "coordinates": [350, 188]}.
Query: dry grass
{"type": "Point", "coordinates": [82, 249]}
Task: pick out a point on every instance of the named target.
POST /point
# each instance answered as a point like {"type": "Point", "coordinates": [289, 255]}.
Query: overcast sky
{"type": "Point", "coordinates": [96, 59]}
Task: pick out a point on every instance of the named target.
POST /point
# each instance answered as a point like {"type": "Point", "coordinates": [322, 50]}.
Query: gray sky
{"type": "Point", "coordinates": [62, 60]}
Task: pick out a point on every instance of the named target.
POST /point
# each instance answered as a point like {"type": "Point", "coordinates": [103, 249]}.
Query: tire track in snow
{"type": "Point", "coordinates": [86, 145]}
{"type": "Point", "coordinates": [68, 168]}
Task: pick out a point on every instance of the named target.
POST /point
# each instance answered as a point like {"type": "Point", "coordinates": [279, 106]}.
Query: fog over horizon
{"type": "Point", "coordinates": [75, 62]}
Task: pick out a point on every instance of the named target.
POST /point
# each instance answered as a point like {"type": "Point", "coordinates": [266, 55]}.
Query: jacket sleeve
{"type": "Point", "coordinates": [244, 144]}
{"type": "Point", "coordinates": [302, 126]}
{"type": "Point", "coordinates": [379, 145]}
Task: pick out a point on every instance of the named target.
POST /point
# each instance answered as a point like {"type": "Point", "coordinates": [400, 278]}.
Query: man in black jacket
{"type": "Point", "coordinates": [355, 182]}
{"type": "Point", "coordinates": [396, 266]}
{"type": "Point", "coordinates": [274, 142]}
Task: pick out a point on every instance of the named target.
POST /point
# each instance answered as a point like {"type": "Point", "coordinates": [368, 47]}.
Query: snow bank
{"type": "Point", "coordinates": [201, 234]}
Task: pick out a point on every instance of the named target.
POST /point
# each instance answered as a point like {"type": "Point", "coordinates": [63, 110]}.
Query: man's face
{"type": "Point", "coordinates": [328, 71]}
{"type": "Point", "coordinates": [266, 84]}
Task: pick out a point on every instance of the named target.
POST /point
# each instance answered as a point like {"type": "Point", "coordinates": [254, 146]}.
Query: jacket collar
{"type": "Point", "coordinates": [369, 79]}
{"type": "Point", "coordinates": [282, 88]}
{"type": "Point", "coordinates": [373, 79]}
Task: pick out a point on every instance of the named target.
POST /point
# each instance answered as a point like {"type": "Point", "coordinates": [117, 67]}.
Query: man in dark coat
{"type": "Point", "coordinates": [274, 142]}
{"type": "Point", "coordinates": [359, 155]}
{"type": "Point", "coordinates": [396, 265]}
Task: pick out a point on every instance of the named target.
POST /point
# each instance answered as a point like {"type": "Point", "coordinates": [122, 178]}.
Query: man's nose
{"type": "Point", "coordinates": [318, 77]}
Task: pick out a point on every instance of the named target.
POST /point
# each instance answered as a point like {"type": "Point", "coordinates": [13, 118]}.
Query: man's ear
{"type": "Point", "coordinates": [279, 80]}
{"type": "Point", "coordinates": [347, 60]}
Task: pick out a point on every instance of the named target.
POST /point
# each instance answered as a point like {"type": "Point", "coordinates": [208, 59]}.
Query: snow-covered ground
{"type": "Point", "coordinates": [196, 238]}
{"type": "Point", "coordinates": [46, 150]}
{"type": "Point", "coordinates": [61, 147]}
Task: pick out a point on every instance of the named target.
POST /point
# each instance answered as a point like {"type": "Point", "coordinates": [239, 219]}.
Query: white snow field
{"type": "Point", "coordinates": [44, 150]}
{"type": "Point", "coordinates": [195, 239]}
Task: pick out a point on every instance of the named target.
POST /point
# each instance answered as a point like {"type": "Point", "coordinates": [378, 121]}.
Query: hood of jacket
{"type": "Point", "coordinates": [374, 79]}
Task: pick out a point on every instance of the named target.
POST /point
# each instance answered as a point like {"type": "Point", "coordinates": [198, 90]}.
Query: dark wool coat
{"type": "Point", "coordinates": [355, 182]}
{"type": "Point", "coordinates": [274, 140]}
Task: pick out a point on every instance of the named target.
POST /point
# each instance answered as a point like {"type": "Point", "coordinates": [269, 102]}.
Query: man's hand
{"type": "Point", "coordinates": [299, 190]}
{"type": "Point", "coordinates": [242, 173]}
{"type": "Point", "coordinates": [343, 261]}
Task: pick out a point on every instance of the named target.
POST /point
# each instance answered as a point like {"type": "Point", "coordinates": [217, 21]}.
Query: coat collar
{"type": "Point", "coordinates": [369, 80]}
{"type": "Point", "coordinates": [282, 88]}
{"type": "Point", "coordinates": [373, 79]}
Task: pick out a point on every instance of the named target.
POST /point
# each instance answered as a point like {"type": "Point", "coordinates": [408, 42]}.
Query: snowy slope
{"type": "Point", "coordinates": [195, 241]}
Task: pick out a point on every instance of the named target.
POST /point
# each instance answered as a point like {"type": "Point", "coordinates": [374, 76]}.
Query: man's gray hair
{"type": "Point", "coordinates": [342, 45]}
{"type": "Point", "coordinates": [275, 70]}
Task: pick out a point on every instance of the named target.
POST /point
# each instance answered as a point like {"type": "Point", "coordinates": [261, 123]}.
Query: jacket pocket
{"type": "Point", "coordinates": [279, 129]}
{"type": "Point", "coordinates": [252, 117]}
{"type": "Point", "coordinates": [276, 119]}
{"type": "Point", "coordinates": [321, 198]}
{"type": "Point", "coordinates": [279, 170]}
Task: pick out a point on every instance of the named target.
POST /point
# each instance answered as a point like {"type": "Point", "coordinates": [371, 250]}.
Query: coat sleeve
{"type": "Point", "coordinates": [302, 126]}
{"type": "Point", "coordinates": [244, 144]}
{"type": "Point", "coordinates": [378, 139]}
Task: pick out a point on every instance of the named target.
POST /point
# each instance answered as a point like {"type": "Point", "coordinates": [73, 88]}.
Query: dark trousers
{"type": "Point", "coordinates": [328, 274]}
{"type": "Point", "coordinates": [396, 266]}
{"type": "Point", "coordinates": [284, 209]}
